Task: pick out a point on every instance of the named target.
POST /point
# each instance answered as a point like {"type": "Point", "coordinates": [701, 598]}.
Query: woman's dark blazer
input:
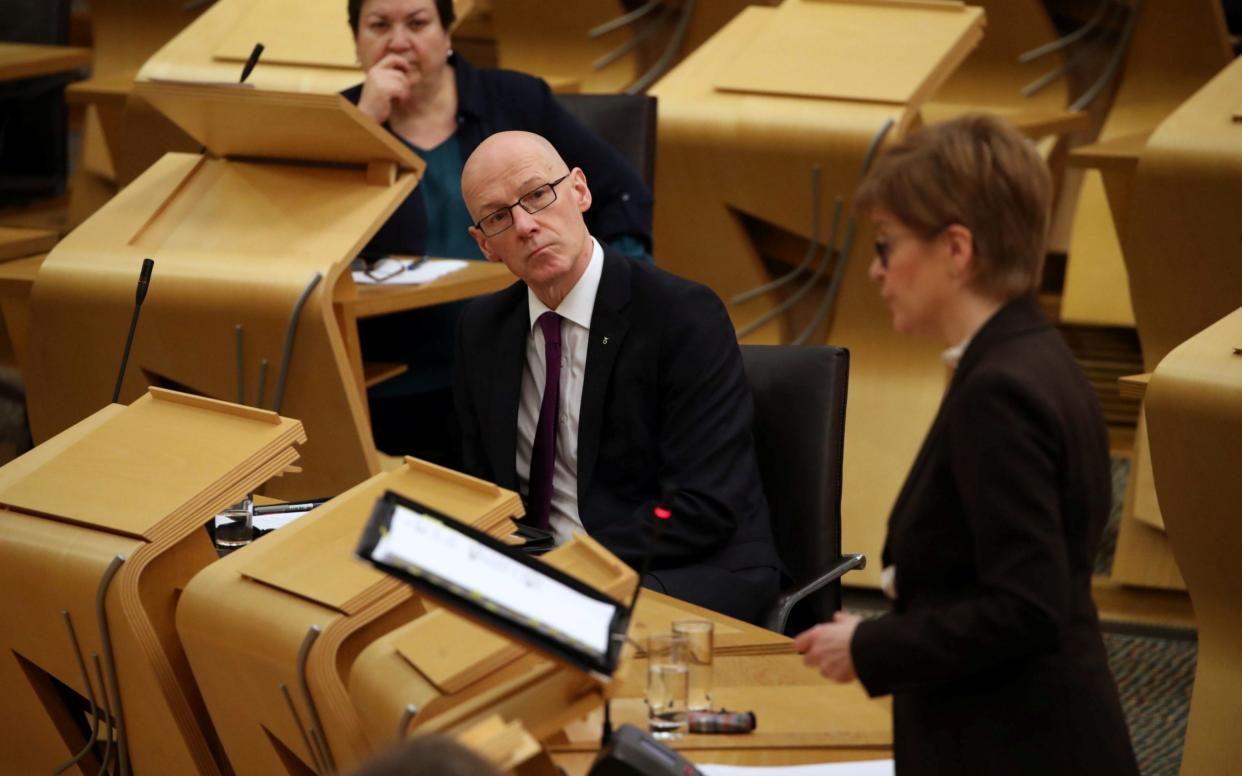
{"type": "Point", "coordinates": [491, 101]}
{"type": "Point", "coordinates": [993, 651]}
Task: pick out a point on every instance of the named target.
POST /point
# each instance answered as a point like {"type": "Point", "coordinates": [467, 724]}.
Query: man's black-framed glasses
{"type": "Point", "coordinates": [532, 202]}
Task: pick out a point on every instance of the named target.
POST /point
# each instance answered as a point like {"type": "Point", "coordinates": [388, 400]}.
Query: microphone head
{"type": "Point", "coordinates": [144, 280]}
{"type": "Point", "coordinates": [251, 62]}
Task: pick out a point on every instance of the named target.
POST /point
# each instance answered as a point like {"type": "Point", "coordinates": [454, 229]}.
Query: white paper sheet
{"type": "Point", "coordinates": [402, 274]}
{"type": "Point", "coordinates": [423, 542]}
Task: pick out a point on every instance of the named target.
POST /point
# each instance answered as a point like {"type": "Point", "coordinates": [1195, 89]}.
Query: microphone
{"type": "Point", "coordinates": [663, 513]}
{"type": "Point", "coordinates": [251, 62]}
{"type": "Point", "coordinates": [144, 281]}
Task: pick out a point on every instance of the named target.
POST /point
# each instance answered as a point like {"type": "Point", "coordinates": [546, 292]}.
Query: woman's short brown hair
{"type": "Point", "coordinates": [977, 171]}
{"type": "Point", "coordinates": [444, 8]}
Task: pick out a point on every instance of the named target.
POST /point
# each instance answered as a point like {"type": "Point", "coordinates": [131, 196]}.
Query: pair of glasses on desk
{"type": "Point", "coordinates": [387, 268]}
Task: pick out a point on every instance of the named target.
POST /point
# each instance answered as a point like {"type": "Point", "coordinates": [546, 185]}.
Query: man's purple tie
{"type": "Point", "coordinates": [543, 453]}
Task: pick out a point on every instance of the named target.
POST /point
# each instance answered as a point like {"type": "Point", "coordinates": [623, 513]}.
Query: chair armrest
{"type": "Point", "coordinates": [779, 613]}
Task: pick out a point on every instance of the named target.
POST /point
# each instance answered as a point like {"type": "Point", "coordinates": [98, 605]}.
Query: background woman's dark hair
{"type": "Point", "coordinates": [443, 7]}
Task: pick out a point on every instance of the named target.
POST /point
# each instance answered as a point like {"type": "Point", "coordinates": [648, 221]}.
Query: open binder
{"type": "Point", "coordinates": [496, 584]}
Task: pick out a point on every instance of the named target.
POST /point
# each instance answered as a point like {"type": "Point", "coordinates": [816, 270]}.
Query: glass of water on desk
{"type": "Point", "coordinates": [698, 654]}
{"type": "Point", "coordinates": [668, 682]}
{"type": "Point", "coordinates": [235, 525]}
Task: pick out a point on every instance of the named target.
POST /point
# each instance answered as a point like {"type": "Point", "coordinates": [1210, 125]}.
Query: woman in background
{"type": "Point", "coordinates": [441, 107]}
{"type": "Point", "coordinates": [992, 650]}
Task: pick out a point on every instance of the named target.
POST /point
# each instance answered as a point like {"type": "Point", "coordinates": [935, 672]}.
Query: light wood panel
{"type": "Point", "coordinates": [991, 79]}
{"type": "Point", "coordinates": [235, 242]}
{"type": "Point", "coordinates": [1177, 46]}
{"type": "Point", "coordinates": [16, 242]}
{"type": "Point", "coordinates": [207, 50]}
{"type": "Point", "coordinates": [271, 593]}
{"type": "Point", "coordinates": [550, 40]}
{"type": "Point", "coordinates": [16, 278]}
{"type": "Point", "coordinates": [29, 60]}
{"type": "Point", "coordinates": [1194, 411]}
{"type": "Point", "coordinates": [788, 55]}
{"type": "Point", "coordinates": [1181, 239]}
{"type": "Point", "coordinates": [730, 160]}
{"type": "Point", "coordinates": [119, 47]}
{"type": "Point", "coordinates": [137, 483]}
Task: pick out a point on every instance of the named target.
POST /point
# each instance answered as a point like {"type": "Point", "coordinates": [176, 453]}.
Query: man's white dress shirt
{"type": "Point", "coordinates": [575, 310]}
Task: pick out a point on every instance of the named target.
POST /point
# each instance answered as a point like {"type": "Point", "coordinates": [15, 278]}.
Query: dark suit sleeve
{"type": "Point", "coordinates": [465, 402]}
{"type": "Point", "coordinates": [705, 415]}
{"type": "Point", "coordinates": [1003, 448]}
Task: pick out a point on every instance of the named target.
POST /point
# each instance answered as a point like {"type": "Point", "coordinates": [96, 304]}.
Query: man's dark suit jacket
{"type": "Point", "coordinates": [664, 402]}
{"type": "Point", "coordinates": [993, 651]}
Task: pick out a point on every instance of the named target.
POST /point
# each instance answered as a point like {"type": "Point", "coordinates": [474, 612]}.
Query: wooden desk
{"type": "Point", "coordinates": [809, 723]}
{"type": "Point", "coordinates": [353, 302]}
{"type": "Point", "coordinates": [1175, 48]}
{"type": "Point", "coordinates": [1121, 154]}
{"type": "Point", "coordinates": [16, 242]}
{"type": "Point", "coordinates": [802, 717]}
{"type": "Point", "coordinates": [1194, 413]}
{"type": "Point", "coordinates": [1181, 254]}
{"type": "Point", "coordinates": [27, 60]}
{"type": "Point", "coordinates": [16, 278]}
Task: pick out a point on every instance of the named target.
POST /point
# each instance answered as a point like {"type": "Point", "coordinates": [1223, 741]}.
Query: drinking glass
{"type": "Point", "coordinates": [668, 681]}
{"type": "Point", "coordinates": [698, 654]}
{"type": "Point", "coordinates": [235, 525]}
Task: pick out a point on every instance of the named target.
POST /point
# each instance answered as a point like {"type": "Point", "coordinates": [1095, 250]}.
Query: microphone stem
{"type": "Point", "coordinates": [129, 342]}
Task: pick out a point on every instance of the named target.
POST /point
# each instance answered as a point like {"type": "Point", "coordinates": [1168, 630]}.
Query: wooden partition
{"type": "Point", "coordinates": [1194, 417]}
{"type": "Point", "coordinates": [552, 40]}
{"type": "Point", "coordinates": [120, 46]}
{"type": "Point", "coordinates": [1177, 46]}
{"type": "Point", "coordinates": [99, 527]}
{"type": "Point", "coordinates": [1182, 255]}
{"type": "Point", "coordinates": [272, 631]}
{"type": "Point", "coordinates": [992, 78]}
{"type": "Point", "coordinates": [743, 120]}
{"type": "Point", "coordinates": [290, 189]}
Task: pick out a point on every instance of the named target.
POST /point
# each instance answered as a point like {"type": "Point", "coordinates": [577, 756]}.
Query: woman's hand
{"type": "Point", "coordinates": [387, 83]}
{"type": "Point", "coordinates": [827, 647]}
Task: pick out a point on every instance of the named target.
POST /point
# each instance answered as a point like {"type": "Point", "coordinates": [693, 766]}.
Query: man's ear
{"type": "Point", "coordinates": [577, 179]}
{"type": "Point", "coordinates": [961, 245]}
{"type": "Point", "coordinates": [480, 240]}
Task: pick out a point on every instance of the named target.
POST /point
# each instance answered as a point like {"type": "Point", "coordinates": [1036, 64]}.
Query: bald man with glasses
{"type": "Point", "coordinates": [595, 385]}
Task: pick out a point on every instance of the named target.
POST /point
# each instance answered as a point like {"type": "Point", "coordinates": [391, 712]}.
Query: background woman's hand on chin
{"type": "Point", "coordinates": [387, 83]}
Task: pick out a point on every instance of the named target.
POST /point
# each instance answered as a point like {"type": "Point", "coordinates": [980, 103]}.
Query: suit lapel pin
{"type": "Point", "coordinates": [604, 341]}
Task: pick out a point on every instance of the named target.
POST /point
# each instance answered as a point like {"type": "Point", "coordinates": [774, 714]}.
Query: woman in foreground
{"type": "Point", "coordinates": [992, 650]}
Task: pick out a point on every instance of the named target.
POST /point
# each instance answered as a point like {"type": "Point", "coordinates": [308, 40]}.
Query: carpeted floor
{"type": "Point", "coordinates": [1154, 677]}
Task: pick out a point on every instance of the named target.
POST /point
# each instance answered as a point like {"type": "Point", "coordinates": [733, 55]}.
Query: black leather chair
{"type": "Point", "coordinates": [799, 396]}
{"type": "Point", "coordinates": [627, 122]}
